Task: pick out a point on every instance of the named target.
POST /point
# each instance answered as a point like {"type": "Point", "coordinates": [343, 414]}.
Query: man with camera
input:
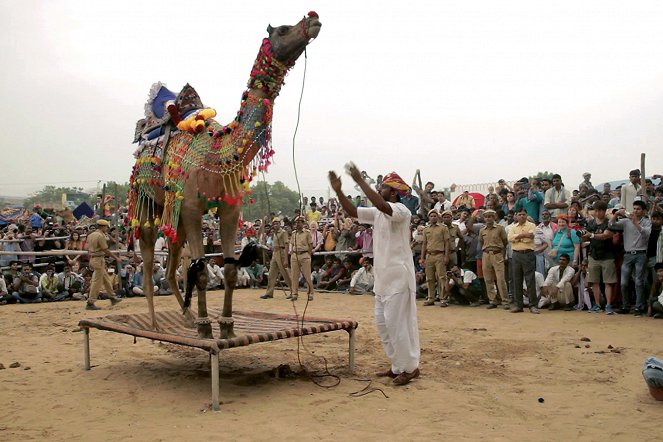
{"type": "Point", "coordinates": [529, 197]}
{"type": "Point", "coordinates": [601, 265]}
{"type": "Point", "coordinates": [464, 285]}
{"type": "Point", "coordinates": [637, 228]}
{"type": "Point", "coordinates": [25, 286]}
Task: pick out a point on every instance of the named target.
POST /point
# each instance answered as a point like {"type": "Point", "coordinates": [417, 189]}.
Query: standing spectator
{"type": "Point", "coordinates": [530, 198]}
{"type": "Point", "coordinates": [28, 244]}
{"type": "Point", "coordinates": [656, 296]}
{"type": "Point", "coordinates": [655, 244]}
{"type": "Point", "coordinates": [557, 198]}
{"type": "Point", "coordinates": [301, 248]}
{"type": "Point", "coordinates": [601, 263]}
{"type": "Point", "coordinates": [411, 202]}
{"type": "Point", "coordinates": [9, 244]}
{"type": "Point", "coordinates": [465, 199]}
{"type": "Point", "coordinates": [442, 204]}
{"type": "Point", "coordinates": [493, 241]}
{"type": "Point", "coordinates": [521, 237]}
{"type": "Point", "coordinates": [426, 201]}
{"type": "Point", "coordinates": [279, 263]}
{"type": "Point", "coordinates": [365, 241]}
{"type": "Point", "coordinates": [435, 258]}
{"type": "Point", "coordinates": [637, 229]}
{"type": "Point", "coordinates": [564, 241]}
{"type": "Point", "coordinates": [630, 191]}
{"type": "Point", "coordinates": [98, 248]}
{"type": "Point", "coordinates": [455, 238]}
{"type": "Point", "coordinates": [510, 203]}
{"type": "Point", "coordinates": [36, 221]}
{"type": "Point", "coordinates": [316, 237]}
{"type": "Point", "coordinates": [313, 214]}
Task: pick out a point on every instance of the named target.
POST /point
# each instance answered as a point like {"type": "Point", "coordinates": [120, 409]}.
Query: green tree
{"type": "Point", "coordinates": [277, 198]}
{"type": "Point", "coordinates": [51, 196]}
{"type": "Point", "coordinates": [542, 175]}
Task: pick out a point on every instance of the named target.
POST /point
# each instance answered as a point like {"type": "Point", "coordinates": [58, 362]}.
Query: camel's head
{"type": "Point", "coordinates": [288, 42]}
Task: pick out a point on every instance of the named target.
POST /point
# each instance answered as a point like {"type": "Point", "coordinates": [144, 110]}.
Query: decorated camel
{"type": "Point", "coordinates": [186, 163]}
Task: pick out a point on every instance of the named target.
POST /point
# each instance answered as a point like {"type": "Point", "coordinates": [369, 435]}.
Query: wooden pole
{"type": "Point", "coordinates": [86, 348]}
{"type": "Point", "coordinates": [351, 350]}
{"type": "Point", "coordinates": [215, 381]}
{"type": "Point", "coordinates": [643, 184]}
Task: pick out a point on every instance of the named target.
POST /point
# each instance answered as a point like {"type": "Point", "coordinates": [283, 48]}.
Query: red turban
{"type": "Point", "coordinates": [394, 181]}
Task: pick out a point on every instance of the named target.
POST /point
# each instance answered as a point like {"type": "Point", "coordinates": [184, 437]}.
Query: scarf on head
{"type": "Point", "coordinates": [394, 181]}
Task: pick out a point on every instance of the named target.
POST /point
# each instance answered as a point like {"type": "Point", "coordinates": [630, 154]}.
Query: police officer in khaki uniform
{"type": "Point", "coordinates": [98, 248]}
{"type": "Point", "coordinates": [493, 241]}
{"type": "Point", "coordinates": [455, 238]}
{"type": "Point", "coordinates": [279, 259]}
{"type": "Point", "coordinates": [301, 249]}
{"type": "Point", "coordinates": [435, 257]}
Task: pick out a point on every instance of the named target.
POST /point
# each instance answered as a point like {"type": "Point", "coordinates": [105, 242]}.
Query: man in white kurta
{"type": "Point", "coordinates": [395, 288]}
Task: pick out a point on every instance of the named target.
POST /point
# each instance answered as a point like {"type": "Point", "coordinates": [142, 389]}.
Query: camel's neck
{"type": "Point", "coordinates": [252, 126]}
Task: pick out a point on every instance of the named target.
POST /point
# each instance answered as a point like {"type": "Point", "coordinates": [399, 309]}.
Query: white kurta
{"type": "Point", "coordinates": [395, 287]}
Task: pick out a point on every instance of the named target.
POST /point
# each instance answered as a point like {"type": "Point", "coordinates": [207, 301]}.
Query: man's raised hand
{"type": "Point", "coordinates": [335, 181]}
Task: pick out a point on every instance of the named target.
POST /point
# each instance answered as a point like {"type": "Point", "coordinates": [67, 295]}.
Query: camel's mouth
{"type": "Point", "coordinates": [314, 28]}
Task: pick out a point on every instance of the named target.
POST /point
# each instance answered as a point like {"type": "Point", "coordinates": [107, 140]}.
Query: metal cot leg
{"type": "Point", "coordinates": [86, 348]}
{"type": "Point", "coordinates": [351, 349]}
{"type": "Point", "coordinates": [215, 381]}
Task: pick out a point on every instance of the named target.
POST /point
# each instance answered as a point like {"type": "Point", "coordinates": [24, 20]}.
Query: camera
{"type": "Point", "coordinates": [581, 232]}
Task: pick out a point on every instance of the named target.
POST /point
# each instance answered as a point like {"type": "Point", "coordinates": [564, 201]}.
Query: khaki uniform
{"type": "Point", "coordinates": [277, 264]}
{"type": "Point", "coordinates": [493, 243]}
{"type": "Point", "coordinates": [96, 244]}
{"type": "Point", "coordinates": [454, 233]}
{"type": "Point", "coordinates": [436, 238]}
{"type": "Point", "coordinates": [300, 260]}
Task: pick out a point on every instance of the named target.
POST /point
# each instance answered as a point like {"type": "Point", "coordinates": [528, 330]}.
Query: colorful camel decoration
{"type": "Point", "coordinates": [186, 163]}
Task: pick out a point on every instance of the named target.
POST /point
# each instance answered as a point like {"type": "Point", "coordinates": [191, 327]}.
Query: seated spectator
{"type": "Point", "coordinates": [557, 288]}
{"type": "Point", "coordinates": [25, 286]}
{"type": "Point", "coordinates": [70, 284]}
{"type": "Point", "coordinates": [137, 287]}
{"type": "Point", "coordinates": [4, 294]}
{"type": "Point", "coordinates": [329, 278]}
{"type": "Point", "coordinates": [13, 271]}
{"type": "Point", "coordinates": [243, 277]}
{"type": "Point", "coordinates": [464, 286]}
{"type": "Point", "coordinates": [256, 274]}
{"type": "Point", "coordinates": [656, 297]}
{"type": "Point", "coordinates": [214, 275]}
{"type": "Point", "coordinates": [343, 283]}
{"type": "Point", "coordinates": [48, 285]}
{"type": "Point", "coordinates": [75, 243]}
{"type": "Point", "coordinates": [539, 280]}
{"type": "Point", "coordinates": [363, 279]}
{"type": "Point", "coordinates": [583, 288]}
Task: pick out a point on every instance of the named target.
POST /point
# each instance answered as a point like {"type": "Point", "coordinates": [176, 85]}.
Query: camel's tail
{"type": "Point", "coordinates": [196, 267]}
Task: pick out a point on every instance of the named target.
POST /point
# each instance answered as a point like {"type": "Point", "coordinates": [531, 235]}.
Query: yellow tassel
{"type": "Point", "coordinates": [157, 221]}
{"type": "Point", "coordinates": [147, 224]}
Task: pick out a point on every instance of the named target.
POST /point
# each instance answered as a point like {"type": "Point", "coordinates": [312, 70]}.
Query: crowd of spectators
{"type": "Point", "coordinates": [593, 249]}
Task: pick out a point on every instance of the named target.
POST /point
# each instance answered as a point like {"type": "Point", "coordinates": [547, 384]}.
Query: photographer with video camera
{"type": "Point", "coordinates": [465, 286]}
{"type": "Point", "coordinates": [637, 228]}
{"type": "Point", "coordinates": [601, 265]}
{"type": "Point", "coordinates": [529, 197]}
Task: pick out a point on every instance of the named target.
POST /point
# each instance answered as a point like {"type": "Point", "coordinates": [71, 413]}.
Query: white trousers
{"type": "Point", "coordinates": [396, 322]}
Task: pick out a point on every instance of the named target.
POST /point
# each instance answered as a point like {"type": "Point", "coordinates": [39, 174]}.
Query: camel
{"type": "Point", "coordinates": [184, 172]}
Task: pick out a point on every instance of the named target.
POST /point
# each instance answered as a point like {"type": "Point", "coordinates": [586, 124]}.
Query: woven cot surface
{"type": "Point", "coordinates": [250, 327]}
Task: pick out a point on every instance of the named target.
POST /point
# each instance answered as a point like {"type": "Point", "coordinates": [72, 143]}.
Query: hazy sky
{"type": "Point", "coordinates": [467, 91]}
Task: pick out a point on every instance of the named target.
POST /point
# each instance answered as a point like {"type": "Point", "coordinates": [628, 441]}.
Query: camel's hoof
{"type": "Point", "coordinates": [205, 331]}
{"type": "Point", "coordinates": [226, 326]}
{"type": "Point", "coordinates": [204, 326]}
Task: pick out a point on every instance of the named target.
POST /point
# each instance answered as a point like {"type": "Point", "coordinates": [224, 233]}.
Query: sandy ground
{"type": "Point", "coordinates": [482, 375]}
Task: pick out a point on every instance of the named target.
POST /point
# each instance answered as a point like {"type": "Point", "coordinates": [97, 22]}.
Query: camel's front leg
{"type": "Point", "coordinates": [229, 215]}
{"type": "Point", "coordinates": [192, 223]}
